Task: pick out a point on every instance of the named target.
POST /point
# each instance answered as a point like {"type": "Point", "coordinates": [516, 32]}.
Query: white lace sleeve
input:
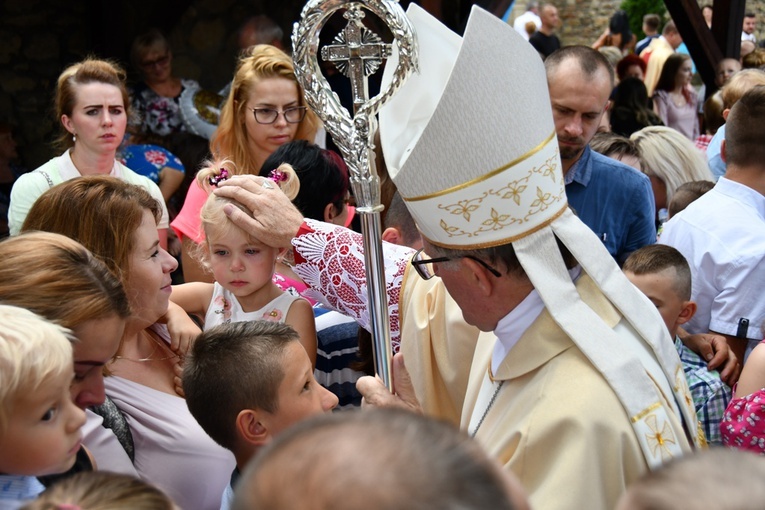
{"type": "Point", "coordinates": [330, 260]}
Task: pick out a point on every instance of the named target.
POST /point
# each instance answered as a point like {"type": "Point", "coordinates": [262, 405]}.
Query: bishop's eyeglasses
{"type": "Point", "coordinates": [424, 267]}
{"type": "Point", "coordinates": [292, 115]}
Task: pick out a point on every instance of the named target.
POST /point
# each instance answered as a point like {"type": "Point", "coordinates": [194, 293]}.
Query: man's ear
{"type": "Point", "coordinates": [480, 276]}
{"type": "Point", "coordinates": [687, 313]}
{"type": "Point", "coordinates": [250, 428]}
{"type": "Point", "coordinates": [392, 235]}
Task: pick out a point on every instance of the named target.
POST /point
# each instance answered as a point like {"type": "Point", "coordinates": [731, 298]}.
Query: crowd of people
{"type": "Point", "coordinates": [573, 280]}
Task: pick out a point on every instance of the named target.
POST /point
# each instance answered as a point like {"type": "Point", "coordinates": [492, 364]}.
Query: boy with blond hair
{"type": "Point", "coordinates": [664, 276]}
{"type": "Point", "coordinates": [39, 423]}
{"type": "Point", "coordinates": [246, 382]}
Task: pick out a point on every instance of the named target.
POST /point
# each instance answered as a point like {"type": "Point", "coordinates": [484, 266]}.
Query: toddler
{"type": "Point", "coordinates": [39, 423]}
{"type": "Point", "coordinates": [243, 267]}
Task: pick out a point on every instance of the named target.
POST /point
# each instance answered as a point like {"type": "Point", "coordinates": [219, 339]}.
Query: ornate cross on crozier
{"type": "Point", "coordinates": [357, 53]}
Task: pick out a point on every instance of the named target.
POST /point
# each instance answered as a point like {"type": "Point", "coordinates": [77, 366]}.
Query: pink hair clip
{"type": "Point", "coordinates": [277, 176]}
{"type": "Point", "coordinates": [217, 179]}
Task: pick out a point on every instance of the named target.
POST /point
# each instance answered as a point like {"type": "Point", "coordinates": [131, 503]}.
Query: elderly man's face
{"type": "Point", "coordinates": [578, 102]}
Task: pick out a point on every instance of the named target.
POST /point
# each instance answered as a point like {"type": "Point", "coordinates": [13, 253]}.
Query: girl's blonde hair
{"type": "Point", "coordinates": [260, 62]}
{"type": "Point", "coordinates": [32, 351]}
{"type": "Point", "coordinates": [212, 216]}
{"type": "Point", "coordinates": [102, 490]}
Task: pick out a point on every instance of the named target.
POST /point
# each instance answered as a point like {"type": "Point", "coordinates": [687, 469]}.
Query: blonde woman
{"type": "Point", "coordinates": [264, 110]}
{"type": "Point", "coordinates": [669, 159]}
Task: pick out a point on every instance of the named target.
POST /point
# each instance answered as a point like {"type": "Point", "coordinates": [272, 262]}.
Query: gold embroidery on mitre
{"type": "Point", "coordinates": [659, 437]}
{"type": "Point", "coordinates": [513, 190]}
{"type": "Point", "coordinates": [485, 176]}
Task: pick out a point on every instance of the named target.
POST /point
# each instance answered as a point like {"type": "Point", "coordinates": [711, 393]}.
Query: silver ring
{"type": "Point", "coordinates": [267, 184]}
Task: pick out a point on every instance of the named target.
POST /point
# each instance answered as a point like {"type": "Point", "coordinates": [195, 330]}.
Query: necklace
{"type": "Point", "coordinates": [149, 357]}
{"type": "Point", "coordinates": [488, 407]}
{"type": "Point", "coordinates": [678, 99]}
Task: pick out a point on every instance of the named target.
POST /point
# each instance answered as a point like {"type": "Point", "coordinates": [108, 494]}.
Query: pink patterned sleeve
{"type": "Point", "coordinates": [330, 260]}
{"type": "Point", "coordinates": [743, 424]}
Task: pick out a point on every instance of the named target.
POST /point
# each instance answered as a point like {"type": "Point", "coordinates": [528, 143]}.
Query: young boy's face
{"type": "Point", "coordinates": [300, 396]}
{"type": "Point", "coordinates": [658, 287]}
{"type": "Point", "coordinates": [43, 434]}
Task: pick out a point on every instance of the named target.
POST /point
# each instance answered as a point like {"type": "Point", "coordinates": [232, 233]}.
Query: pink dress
{"type": "Point", "coordinates": [743, 424]}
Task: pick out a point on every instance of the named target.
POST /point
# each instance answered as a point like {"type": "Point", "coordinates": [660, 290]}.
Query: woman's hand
{"type": "Point", "coordinates": [183, 330]}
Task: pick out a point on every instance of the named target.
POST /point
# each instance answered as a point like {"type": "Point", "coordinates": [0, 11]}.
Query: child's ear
{"type": "Point", "coordinates": [687, 312]}
{"type": "Point", "coordinates": [250, 428]}
{"type": "Point", "coordinates": [392, 235]}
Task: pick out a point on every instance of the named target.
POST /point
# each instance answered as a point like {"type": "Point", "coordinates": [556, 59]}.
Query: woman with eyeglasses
{"type": "Point", "coordinates": [264, 110]}
{"type": "Point", "coordinates": [156, 98]}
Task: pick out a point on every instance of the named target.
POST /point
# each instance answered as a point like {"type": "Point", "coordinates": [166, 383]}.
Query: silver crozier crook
{"type": "Point", "coordinates": [357, 52]}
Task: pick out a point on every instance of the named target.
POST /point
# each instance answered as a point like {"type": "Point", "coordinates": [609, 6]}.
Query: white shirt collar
{"type": "Point", "coordinates": [69, 171]}
{"type": "Point", "coordinates": [512, 326]}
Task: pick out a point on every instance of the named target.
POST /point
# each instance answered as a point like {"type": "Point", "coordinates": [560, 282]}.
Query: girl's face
{"type": "Point", "coordinates": [241, 265]}
{"type": "Point", "coordinates": [684, 74]}
{"type": "Point", "coordinates": [98, 118]}
{"type": "Point", "coordinates": [276, 94]}
{"type": "Point", "coordinates": [148, 282]}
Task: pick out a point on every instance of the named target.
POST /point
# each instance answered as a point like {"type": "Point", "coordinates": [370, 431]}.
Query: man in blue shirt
{"type": "Point", "coordinates": [613, 199]}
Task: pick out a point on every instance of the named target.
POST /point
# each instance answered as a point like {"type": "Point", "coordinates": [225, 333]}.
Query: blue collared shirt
{"type": "Point", "coordinates": [614, 200]}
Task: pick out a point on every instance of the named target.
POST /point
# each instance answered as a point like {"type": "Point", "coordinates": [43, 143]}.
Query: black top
{"type": "Point", "coordinates": [544, 44]}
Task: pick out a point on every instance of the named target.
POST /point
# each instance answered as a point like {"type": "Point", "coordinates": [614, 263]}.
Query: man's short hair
{"type": "Point", "coordinates": [233, 367]}
{"type": "Point", "coordinates": [750, 15]}
{"type": "Point", "coordinates": [590, 61]}
{"type": "Point", "coordinates": [656, 258]}
{"type": "Point", "coordinates": [737, 482]}
{"type": "Point", "coordinates": [686, 194]}
{"type": "Point", "coordinates": [652, 21]}
{"type": "Point", "coordinates": [669, 28]}
{"type": "Point", "coordinates": [378, 459]}
{"type": "Point", "coordinates": [744, 133]}
{"type": "Point", "coordinates": [399, 217]}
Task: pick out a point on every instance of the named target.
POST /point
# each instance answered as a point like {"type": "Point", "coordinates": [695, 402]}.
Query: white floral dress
{"type": "Point", "coordinates": [225, 308]}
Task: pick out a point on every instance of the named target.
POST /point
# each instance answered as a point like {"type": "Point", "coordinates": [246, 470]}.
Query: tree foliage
{"type": "Point", "coordinates": [636, 9]}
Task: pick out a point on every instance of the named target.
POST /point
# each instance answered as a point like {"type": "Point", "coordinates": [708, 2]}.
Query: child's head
{"type": "Point", "coordinates": [102, 490]}
{"type": "Point", "coordinates": [687, 193]}
{"type": "Point", "coordinates": [230, 251]}
{"type": "Point", "coordinates": [245, 382]}
{"type": "Point", "coordinates": [663, 275]}
{"type": "Point", "coordinates": [714, 478]}
{"type": "Point", "coordinates": [39, 423]}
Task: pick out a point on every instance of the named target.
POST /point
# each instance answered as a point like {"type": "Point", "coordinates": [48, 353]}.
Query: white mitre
{"type": "Point", "coordinates": [470, 144]}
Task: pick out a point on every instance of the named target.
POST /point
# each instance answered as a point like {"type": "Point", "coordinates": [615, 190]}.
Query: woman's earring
{"type": "Point", "coordinates": [74, 137]}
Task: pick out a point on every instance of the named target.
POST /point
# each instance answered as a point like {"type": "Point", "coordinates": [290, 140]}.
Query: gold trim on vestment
{"type": "Point", "coordinates": [645, 412]}
{"type": "Point", "coordinates": [484, 176]}
{"type": "Point", "coordinates": [498, 242]}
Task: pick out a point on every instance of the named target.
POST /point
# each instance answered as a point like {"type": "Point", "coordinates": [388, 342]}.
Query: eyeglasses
{"type": "Point", "coordinates": [161, 62]}
{"type": "Point", "coordinates": [292, 115]}
{"type": "Point", "coordinates": [424, 267]}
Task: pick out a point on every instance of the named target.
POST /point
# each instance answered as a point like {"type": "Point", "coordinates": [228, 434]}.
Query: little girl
{"type": "Point", "coordinates": [243, 267]}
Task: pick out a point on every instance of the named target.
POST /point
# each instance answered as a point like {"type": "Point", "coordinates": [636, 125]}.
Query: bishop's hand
{"type": "Point", "coordinates": [377, 395]}
{"type": "Point", "coordinates": [275, 221]}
